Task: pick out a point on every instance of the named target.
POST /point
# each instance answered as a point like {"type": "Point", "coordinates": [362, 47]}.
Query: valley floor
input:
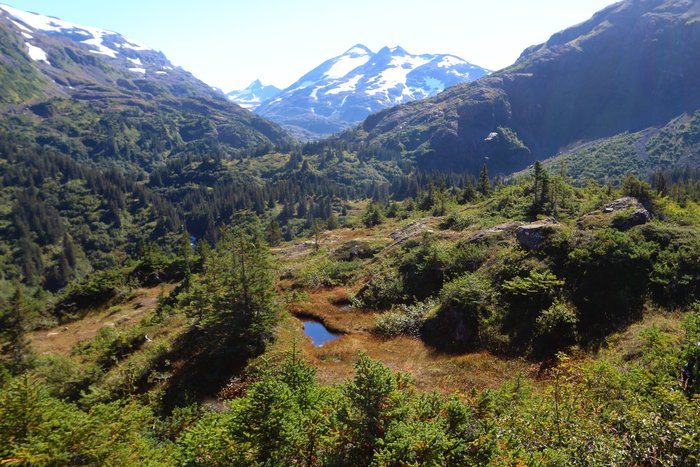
{"type": "Point", "coordinates": [431, 370]}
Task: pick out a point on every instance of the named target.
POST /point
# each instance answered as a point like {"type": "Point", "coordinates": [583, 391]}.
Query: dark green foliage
{"type": "Point", "coordinates": [235, 295]}
{"type": "Point", "coordinates": [636, 188]}
{"type": "Point", "coordinates": [423, 268]}
{"type": "Point", "coordinates": [233, 309]}
{"type": "Point", "coordinates": [541, 196]}
{"type": "Point", "coordinates": [14, 346]}
{"type": "Point", "coordinates": [274, 233]}
{"type": "Point", "coordinates": [484, 184]}
{"type": "Point", "coordinates": [461, 322]}
{"type": "Point", "coordinates": [355, 249]}
{"type": "Point", "coordinates": [384, 290]}
{"type": "Point", "coordinates": [72, 218]}
{"type": "Point", "coordinates": [608, 272]}
{"type": "Point", "coordinates": [373, 215]}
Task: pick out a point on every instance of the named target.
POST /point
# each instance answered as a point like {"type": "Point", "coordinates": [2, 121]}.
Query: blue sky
{"type": "Point", "coordinates": [229, 43]}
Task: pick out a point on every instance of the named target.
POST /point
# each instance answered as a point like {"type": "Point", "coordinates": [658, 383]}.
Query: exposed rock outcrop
{"type": "Point", "coordinates": [531, 236]}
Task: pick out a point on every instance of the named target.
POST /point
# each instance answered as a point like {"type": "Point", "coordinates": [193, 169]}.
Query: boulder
{"type": "Point", "coordinates": [531, 236]}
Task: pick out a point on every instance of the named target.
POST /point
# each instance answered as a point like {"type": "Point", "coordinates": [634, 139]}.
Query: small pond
{"type": "Point", "coordinates": [318, 333]}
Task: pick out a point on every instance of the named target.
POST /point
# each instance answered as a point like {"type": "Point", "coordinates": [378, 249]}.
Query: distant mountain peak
{"type": "Point", "coordinates": [253, 95]}
{"type": "Point", "coordinates": [358, 49]}
{"type": "Point", "coordinates": [344, 90]}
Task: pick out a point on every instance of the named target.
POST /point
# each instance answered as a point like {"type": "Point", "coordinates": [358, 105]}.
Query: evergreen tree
{"type": "Point", "coordinates": [469, 193]}
{"type": "Point", "coordinates": [234, 300]}
{"type": "Point", "coordinates": [332, 222]}
{"type": "Point", "coordinates": [373, 215]}
{"type": "Point", "coordinates": [484, 184]}
{"type": "Point", "coordinates": [14, 345]}
{"type": "Point", "coordinates": [540, 189]}
{"type": "Point", "coordinates": [186, 255]}
{"type": "Point", "coordinates": [274, 232]}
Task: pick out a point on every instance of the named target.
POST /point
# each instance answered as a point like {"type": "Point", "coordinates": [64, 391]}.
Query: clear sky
{"type": "Point", "coordinates": [229, 43]}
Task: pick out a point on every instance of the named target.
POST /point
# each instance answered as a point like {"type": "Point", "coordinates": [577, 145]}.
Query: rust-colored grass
{"type": "Point", "coordinates": [60, 340]}
{"type": "Point", "coordinates": [431, 370]}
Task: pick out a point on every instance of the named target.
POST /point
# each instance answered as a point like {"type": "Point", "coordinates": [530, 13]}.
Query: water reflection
{"type": "Point", "coordinates": [318, 333]}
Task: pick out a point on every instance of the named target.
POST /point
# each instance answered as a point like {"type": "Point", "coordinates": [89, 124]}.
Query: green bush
{"type": "Point", "coordinates": [555, 328]}
{"type": "Point", "coordinates": [326, 272]}
{"type": "Point", "coordinates": [462, 321]}
{"type": "Point", "coordinates": [608, 275]}
{"type": "Point", "coordinates": [384, 289]}
{"type": "Point", "coordinates": [407, 320]}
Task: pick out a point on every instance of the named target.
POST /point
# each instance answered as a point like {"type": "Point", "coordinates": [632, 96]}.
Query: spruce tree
{"type": "Point", "coordinates": [274, 232]}
{"type": "Point", "coordinates": [14, 345]}
{"type": "Point", "coordinates": [484, 185]}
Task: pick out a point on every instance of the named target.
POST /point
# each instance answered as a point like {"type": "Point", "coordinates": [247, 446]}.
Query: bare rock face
{"type": "Point", "coordinates": [531, 236]}
{"type": "Point", "coordinates": [483, 235]}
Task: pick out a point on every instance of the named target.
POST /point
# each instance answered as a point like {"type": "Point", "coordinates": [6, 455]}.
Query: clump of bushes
{"type": "Point", "coordinates": [407, 320]}
{"type": "Point", "coordinates": [327, 272]}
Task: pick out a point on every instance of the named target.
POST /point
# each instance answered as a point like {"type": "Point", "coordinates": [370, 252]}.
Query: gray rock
{"type": "Point", "coordinates": [481, 235]}
{"type": "Point", "coordinates": [531, 236]}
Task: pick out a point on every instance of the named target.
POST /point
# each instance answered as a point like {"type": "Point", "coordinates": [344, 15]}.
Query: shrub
{"type": "Point", "coordinates": [405, 320]}
{"type": "Point", "coordinates": [608, 274]}
{"type": "Point", "coordinates": [460, 323]}
{"type": "Point", "coordinates": [383, 290]}
{"type": "Point", "coordinates": [555, 327]}
{"type": "Point", "coordinates": [325, 272]}
{"type": "Point", "coordinates": [355, 249]}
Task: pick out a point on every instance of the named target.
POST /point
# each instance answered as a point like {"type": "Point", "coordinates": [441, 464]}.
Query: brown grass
{"type": "Point", "coordinates": [431, 370]}
{"type": "Point", "coordinates": [60, 340]}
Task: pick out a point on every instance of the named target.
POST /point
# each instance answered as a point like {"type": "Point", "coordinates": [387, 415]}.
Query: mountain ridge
{"type": "Point", "coordinates": [48, 64]}
{"type": "Point", "coordinates": [345, 89]}
{"type": "Point", "coordinates": [566, 90]}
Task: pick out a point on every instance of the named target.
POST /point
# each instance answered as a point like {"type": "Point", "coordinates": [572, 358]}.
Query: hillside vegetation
{"type": "Point", "coordinates": [480, 268]}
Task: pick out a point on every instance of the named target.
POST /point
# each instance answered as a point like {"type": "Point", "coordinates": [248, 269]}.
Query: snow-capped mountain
{"type": "Point", "coordinates": [137, 58]}
{"type": "Point", "coordinates": [344, 90]}
{"type": "Point", "coordinates": [43, 59]}
{"type": "Point", "coordinates": [254, 95]}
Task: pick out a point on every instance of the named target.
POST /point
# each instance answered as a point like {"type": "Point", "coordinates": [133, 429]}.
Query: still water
{"type": "Point", "coordinates": [318, 333]}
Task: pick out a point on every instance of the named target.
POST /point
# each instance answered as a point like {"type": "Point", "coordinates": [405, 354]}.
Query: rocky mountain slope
{"type": "Point", "coordinates": [344, 90]}
{"type": "Point", "coordinates": [629, 67]}
{"type": "Point", "coordinates": [56, 74]}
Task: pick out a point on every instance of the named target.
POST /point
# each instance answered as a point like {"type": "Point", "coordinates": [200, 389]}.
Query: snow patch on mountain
{"type": "Point", "coordinates": [92, 37]}
{"type": "Point", "coordinates": [396, 73]}
{"type": "Point", "coordinates": [346, 64]}
{"type": "Point", "coordinates": [347, 86]}
{"type": "Point", "coordinates": [450, 61]}
{"type": "Point", "coordinates": [36, 53]}
{"type": "Point", "coordinates": [253, 95]}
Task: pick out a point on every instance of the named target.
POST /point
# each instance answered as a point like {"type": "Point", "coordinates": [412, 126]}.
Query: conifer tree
{"type": "Point", "coordinates": [484, 185]}
{"type": "Point", "coordinates": [14, 345]}
{"type": "Point", "coordinates": [274, 232]}
{"type": "Point", "coordinates": [186, 254]}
